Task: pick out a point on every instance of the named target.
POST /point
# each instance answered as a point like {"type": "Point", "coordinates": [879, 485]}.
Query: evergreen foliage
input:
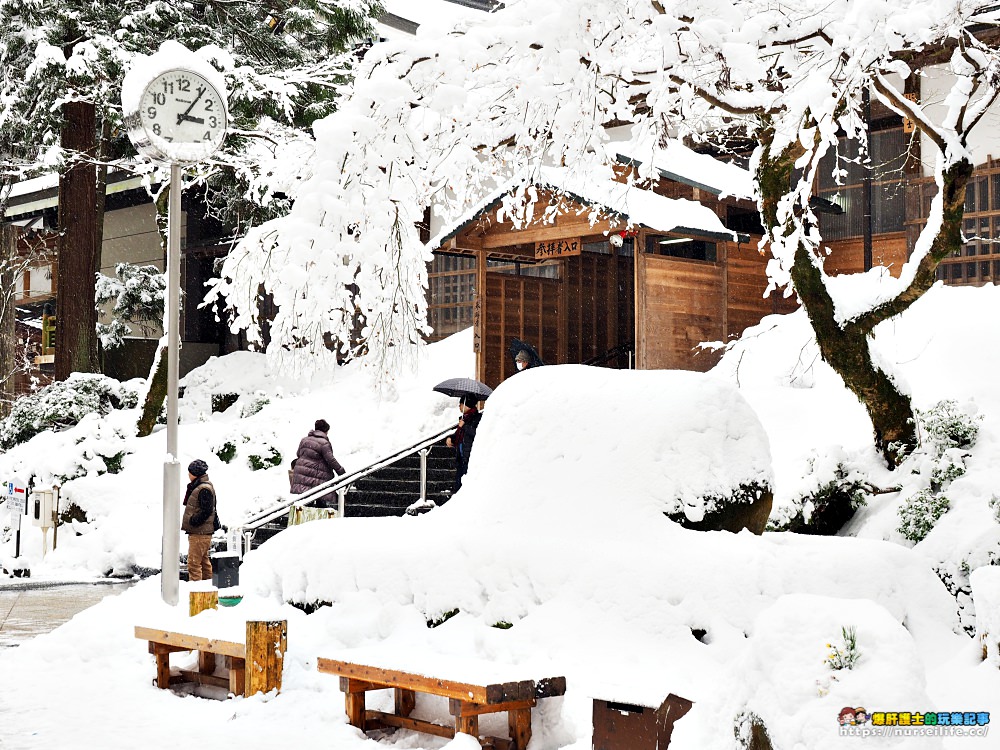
{"type": "Point", "coordinates": [63, 404]}
{"type": "Point", "coordinates": [137, 296]}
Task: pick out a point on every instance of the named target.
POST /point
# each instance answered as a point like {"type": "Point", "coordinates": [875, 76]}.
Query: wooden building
{"type": "Point", "coordinates": [614, 275]}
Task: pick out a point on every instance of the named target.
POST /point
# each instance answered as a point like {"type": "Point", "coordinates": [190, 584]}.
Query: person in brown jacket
{"type": "Point", "coordinates": [199, 520]}
{"type": "Point", "coordinates": [314, 460]}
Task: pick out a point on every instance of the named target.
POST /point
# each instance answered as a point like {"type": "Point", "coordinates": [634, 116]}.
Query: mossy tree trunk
{"type": "Point", "coordinates": [156, 394]}
{"type": "Point", "coordinates": [846, 346]}
{"type": "Point", "coordinates": [8, 333]}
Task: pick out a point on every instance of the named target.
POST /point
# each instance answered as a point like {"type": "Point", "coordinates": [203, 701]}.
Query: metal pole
{"type": "Point", "coordinates": [170, 564]}
{"type": "Point", "coordinates": [423, 474]}
{"type": "Point", "coordinates": [340, 501]}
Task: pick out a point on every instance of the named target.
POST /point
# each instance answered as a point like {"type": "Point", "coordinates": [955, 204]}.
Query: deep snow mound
{"type": "Point", "coordinates": [572, 440]}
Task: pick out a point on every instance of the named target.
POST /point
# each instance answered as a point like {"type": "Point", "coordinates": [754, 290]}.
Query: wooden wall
{"type": "Point", "coordinates": [679, 305]}
{"type": "Point", "coordinates": [598, 305]}
{"type": "Point", "coordinates": [523, 307]}
{"type": "Point", "coordinates": [746, 280]}
{"type": "Point", "coordinates": [848, 256]}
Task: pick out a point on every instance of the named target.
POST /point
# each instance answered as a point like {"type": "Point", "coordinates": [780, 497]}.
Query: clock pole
{"type": "Point", "coordinates": [170, 564]}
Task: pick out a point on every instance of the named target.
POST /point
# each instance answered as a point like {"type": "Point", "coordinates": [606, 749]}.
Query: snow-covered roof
{"type": "Point", "coordinates": [633, 205]}
{"type": "Point", "coordinates": [404, 17]}
{"type": "Point", "coordinates": [679, 163]}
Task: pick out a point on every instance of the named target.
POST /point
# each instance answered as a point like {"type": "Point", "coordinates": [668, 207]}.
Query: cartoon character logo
{"type": "Point", "coordinates": [846, 716]}
{"type": "Point", "coordinates": [860, 715]}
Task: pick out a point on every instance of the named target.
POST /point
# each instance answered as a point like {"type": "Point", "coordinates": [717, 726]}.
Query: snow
{"type": "Point", "coordinates": [558, 531]}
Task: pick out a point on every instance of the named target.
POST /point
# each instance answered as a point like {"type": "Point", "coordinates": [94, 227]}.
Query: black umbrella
{"type": "Point", "coordinates": [516, 346]}
{"type": "Point", "coordinates": [464, 387]}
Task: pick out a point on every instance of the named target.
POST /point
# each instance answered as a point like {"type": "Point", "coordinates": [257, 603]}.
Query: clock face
{"type": "Point", "coordinates": [183, 116]}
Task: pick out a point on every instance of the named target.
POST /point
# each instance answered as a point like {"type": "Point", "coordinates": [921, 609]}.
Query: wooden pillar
{"type": "Point", "coordinates": [519, 724]}
{"type": "Point", "coordinates": [406, 700]}
{"type": "Point", "coordinates": [162, 666]}
{"type": "Point", "coordinates": [468, 724]}
{"type": "Point", "coordinates": [237, 675]}
{"type": "Point", "coordinates": [479, 316]}
{"type": "Point", "coordinates": [199, 601]}
{"type": "Point", "coordinates": [354, 707]}
{"type": "Point", "coordinates": [266, 643]}
{"type": "Point", "coordinates": [639, 268]}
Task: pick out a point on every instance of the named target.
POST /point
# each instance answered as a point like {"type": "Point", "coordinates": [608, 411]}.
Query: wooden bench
{"type": "Point", "coordinates": [263, 649]}
{"type": "Point", "coordinates": [466, 701]}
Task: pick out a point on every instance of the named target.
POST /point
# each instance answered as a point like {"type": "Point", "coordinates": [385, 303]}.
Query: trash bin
{"type": "Point", "coordinates": [630, 726]}
{"type": "Point", "coordinates": [225, 569]}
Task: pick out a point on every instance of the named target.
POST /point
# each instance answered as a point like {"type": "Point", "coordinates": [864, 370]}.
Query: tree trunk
{"type": "Point", "coordinates": [79, 250]}
{"type": "Point", "coordinates": [846, 347]}
{"type": "Point", "coordinates": [8, 332]}
{"type": "Point", "coordinates": [155, 394]}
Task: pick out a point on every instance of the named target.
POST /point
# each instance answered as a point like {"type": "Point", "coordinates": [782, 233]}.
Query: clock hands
{"type": "Point", "coordinates": [185, 115]}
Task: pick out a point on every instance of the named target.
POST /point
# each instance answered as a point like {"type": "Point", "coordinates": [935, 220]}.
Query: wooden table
{"type": "Point", "coordinates": [466, 701]}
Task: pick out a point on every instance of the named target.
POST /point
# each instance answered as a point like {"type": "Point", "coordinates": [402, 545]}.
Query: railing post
{"type": "Point", "coordinates": [423, 474]}
{"type": "Point", "coordinates": [340, 501]}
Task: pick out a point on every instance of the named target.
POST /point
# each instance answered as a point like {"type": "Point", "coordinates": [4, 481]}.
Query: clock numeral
{"type": "Point", "coordinates": [209, 106]}
{"type": "Point", "coordinates": [208, 135]}
{"type": "Point", "coordinates": [213, 122]}
{"type": "Point", "coordinates": [156, 128]}
{"type": "Point", "coordinates": [159, 99]}
{"type": "Point", "coordinates": [151, 111]}
{"type": "Point", "coordinates": [168, 87]}
{"type": "Point", "coordinates": [183, 84]}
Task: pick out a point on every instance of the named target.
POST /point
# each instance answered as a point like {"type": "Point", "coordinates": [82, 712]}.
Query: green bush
{"type": "Point", "coordinates": [919, 513]}
{"type": "Point", "coordinates": [254, 405]}
{"type": "Point", "coordinates": [943, 426]}
{"type": "Point", "coordinates": [227, 452]}
{"type": "Point", "coordinates": [825, 510]}
{"type": "Point", "coordinates": [271, 458]}
{"type": "Point", "coordinates": [63, 404]}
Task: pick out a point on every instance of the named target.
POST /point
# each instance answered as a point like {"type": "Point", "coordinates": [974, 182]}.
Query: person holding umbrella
{"type": "Point", "coordinates": [464, 436]}
{"type": "Point", "coordinates": [469, 392]}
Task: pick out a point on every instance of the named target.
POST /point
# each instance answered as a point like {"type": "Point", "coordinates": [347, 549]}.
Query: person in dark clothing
{"type": "Point", "coordinates": [199, 520]}
{"type": "Point", "coordinates": [314, 462]}
{"type": "Point", "coordinates": [462, 440]}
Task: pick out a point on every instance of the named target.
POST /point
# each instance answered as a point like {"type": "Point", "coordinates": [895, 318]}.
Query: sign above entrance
{"type": "Point", "coordinates": [557, 248]}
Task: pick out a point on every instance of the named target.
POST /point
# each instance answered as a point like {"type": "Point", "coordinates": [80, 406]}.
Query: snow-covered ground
{"type": "Point", "coordinates": [559, 531]}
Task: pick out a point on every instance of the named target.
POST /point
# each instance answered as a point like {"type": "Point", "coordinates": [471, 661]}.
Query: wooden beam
{"type": "Point", "coordinates": [458, 707]}
{"type": "Point", "coordinates": [391, 678]}
{"type": "Point", "coordinates": [519, 726]}
{"type": "Point", "coordinates": [182, 641]}
{"type": "Point", "coordinates": [406, 701]}
{"type": "Point", "coordinates": [200, 678]}
{"type": "Point", "coordinates": [405, 722]}
{"type": "Point", "coordinates": [532, 235]}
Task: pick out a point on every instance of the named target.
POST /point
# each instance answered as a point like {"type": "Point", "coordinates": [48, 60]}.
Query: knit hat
{"type": "Point", "coordinates": [522, 356]}
{"type": "Point", "coordinates": [197, 468]}
{"type": "Point", "coordinates": [322, 425]}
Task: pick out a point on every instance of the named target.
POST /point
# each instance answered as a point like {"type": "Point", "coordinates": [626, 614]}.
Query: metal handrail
{"type": "Point", "coordinates": [337, 483]}
{"type": "Point", "coordinates": [610, 354]}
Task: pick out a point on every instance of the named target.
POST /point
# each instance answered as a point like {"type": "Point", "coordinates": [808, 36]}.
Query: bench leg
{"type": "Point", "coordinates": [406, 700]}
{"type": "Point", "coordinates": [467, 724]}
{"type": "Point", "coordinates": [237, 676]}
{"type": "Point", "coordinates": [162, 669]}
{"type": "Point", "coordinates": [354, 705]}
{"type": "Point", "coordinates": [519, 724]}
{"type": "Point", "coordinates": [206, 662]}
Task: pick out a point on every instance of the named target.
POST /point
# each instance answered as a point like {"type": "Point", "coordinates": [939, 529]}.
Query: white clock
{"type": "Point", "coordinates": [181, 117]}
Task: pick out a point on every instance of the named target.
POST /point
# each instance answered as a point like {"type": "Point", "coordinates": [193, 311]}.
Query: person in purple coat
{"type": "Point", "coordinates": [314, 460]}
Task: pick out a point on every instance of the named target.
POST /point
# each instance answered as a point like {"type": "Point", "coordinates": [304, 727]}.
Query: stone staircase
{"type": "Point", "coordinates": [386, 491]}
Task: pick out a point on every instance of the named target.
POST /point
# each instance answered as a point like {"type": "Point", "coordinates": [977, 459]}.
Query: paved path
{"type": "Point", "coordinates": [28, 609]}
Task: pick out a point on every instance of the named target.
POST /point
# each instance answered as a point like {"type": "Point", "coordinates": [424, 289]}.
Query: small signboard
{"type": "Point", "coordinates": [557, 248]}
{"type": "Point", "coordinates": [16, 493]}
